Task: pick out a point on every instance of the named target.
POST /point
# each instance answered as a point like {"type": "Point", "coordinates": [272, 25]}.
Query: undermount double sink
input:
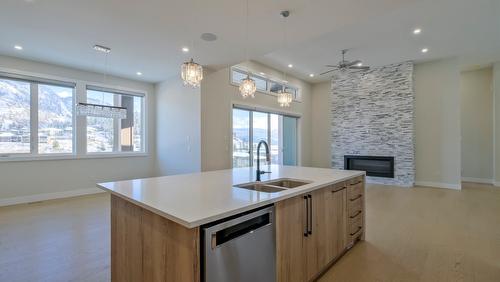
{"type": "Point", "coordinates": [274, 186]}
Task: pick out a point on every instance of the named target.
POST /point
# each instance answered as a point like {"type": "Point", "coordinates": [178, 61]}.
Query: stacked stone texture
{"type": "Point", "coordinates": [373, 115]}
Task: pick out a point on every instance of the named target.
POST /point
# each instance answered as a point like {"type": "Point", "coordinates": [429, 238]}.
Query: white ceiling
{"type": "Point", "coordinates": [147, 35]}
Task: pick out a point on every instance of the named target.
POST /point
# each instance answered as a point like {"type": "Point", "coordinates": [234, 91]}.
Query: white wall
{"type": "Point", "coordinates": [70, 177]}
{"type": "Point", "coordinates": [217, 96]}
{"type": "Point", "coordinates": [437, 124]}
{"type": "Point", "coordinates": [477, 125]}
{"type": "Point", "coordinates": [177, 128]}
{"type": "Point", "coordinates": [496, 98]}
{"type": "Point", "coordinates": [321, 125]}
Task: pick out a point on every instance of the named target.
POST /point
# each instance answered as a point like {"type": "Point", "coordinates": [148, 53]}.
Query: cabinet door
{"type": "Point", "coordinates": [328, 238]}
{"type": "Point", "coordinates": [290, 250]}
{"type": "Point", "coordinates": [318, 243]}
{"type": "Point", "coordinates": [339, 222]}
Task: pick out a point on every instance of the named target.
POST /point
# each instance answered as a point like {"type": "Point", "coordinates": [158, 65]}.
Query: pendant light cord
{"type": "Point", "coordinates": [284, 47]}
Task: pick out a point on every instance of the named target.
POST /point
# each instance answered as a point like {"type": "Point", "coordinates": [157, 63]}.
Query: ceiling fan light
{"type": "Point", "coordinates": [248, 87]}
{"type": "Point", "coordinates": [192, 73]}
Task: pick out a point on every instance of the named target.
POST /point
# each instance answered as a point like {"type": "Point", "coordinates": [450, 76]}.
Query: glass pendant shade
{"type": "Point", "coordinates": [248, 87]}
{"type": "Point", "coordinates": [93, 110]}
{"type": "Point", "coordinates": [285, 98]}
{"type": "Point", "coordinates": [192, 73]}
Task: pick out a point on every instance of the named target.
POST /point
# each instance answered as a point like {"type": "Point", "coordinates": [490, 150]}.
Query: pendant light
{"type": "Point", "coordinates": [247, 85]}
{"type": "Point", "coordinates": [101, 110]}
{"type": "Point", "coordinates": [191, 73]}
{"type": "Point", "coordinates": [285, 98]}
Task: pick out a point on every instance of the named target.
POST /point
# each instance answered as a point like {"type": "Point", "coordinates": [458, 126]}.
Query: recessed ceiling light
{"type": "Point", "coordinates": [311, 75]}
{"type": "Point", "coordinates": [185, 49]}
{"type": "Point", "coordinates": [359, 64]}
{"type": "Point", "coordinates": [139, 73]}
{"type": "Point", "coordinates": [101, 48]}
{"type": "Point", "coordinates": [18, 47]}
{"type": "Point", "coordinates": [417, 31]}
{"type": "Point", "coordinates": [290, 65]}
{"type": "Point", "coordinates": [425, 50]}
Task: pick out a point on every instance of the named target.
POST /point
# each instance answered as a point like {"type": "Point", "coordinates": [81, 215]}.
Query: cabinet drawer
{"type": "Point", "coordinates": [356, 180]}
{"type": "Point", "coordinates": [355, 219]}
{"type": "Point", "coordinates": [354, 207]}
{"type": "Point", "coordinates": [355, 228]}
{"type": "Point", "coordinates": [339, 186]}
{"type": "Point", "coordinates": [355, 190]}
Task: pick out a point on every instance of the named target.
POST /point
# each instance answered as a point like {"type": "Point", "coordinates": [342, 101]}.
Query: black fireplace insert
{"type": "Point", "coordinates": [373, 165]}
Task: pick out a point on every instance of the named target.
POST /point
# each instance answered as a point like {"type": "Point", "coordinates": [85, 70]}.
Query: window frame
{"type": "Point", "coordinates": [269, 112]}
{"type": "Point", "coordinates": [118, 92]}
{"type": "Point", "coordinates": [79, 122]}
{"type": "Point", "coordinates": [269, 81]}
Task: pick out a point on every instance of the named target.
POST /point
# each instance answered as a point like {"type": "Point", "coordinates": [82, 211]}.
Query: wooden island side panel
{"type": "Point", "coordinates": [148, 247]}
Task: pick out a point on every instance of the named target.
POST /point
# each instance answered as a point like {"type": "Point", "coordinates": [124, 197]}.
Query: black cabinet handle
{"type": "Point", "coordinates": [354, 199]}
{"type": "Point", "coordinates": [359, 228]}
{"type": "Point", "coordinates": [310, 215]}
{"type": "Point", "coordinates": [335, 191]}
{"type": "Point", "coordinates": [306, 227]}
{"type": "Point", "coordinates": [356, 214]}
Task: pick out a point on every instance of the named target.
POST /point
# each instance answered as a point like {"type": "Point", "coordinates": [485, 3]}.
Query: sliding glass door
{"type": "Point", "coordinates": [241, 138]}
{"type": "Point", "coordinates": [250, 127]}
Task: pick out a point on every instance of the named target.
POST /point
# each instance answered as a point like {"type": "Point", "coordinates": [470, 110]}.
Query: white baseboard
{"type": "Point", "coordinates": [439, 185]}
{"type": "Point", "coordinates": [496, 184]}
{"type": "Point", "coordinates": [48, 196]}
{"type": "Point", "coordinates": [478, 180]}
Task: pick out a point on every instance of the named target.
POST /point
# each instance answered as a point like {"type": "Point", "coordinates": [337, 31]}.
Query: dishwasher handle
{"type": "Point", "coordinates": [238, 228]}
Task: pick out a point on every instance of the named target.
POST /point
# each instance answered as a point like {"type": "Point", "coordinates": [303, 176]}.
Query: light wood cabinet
{"type": "Point", "coordinates": [291, 217]}
{"type": "Point", "coordinates": [339, 222]}
{"type": "Point", "coordinates": [312, 231]}
{"type": "Point", "coordinates": [355, 210]}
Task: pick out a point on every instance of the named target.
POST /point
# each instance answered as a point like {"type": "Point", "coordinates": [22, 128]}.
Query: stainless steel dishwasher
{"type": "Point", "coordinates": [241, 248]}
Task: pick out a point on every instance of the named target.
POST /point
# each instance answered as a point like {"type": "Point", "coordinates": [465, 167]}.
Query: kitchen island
{"type": "Point", "coordinates": [157, 223]}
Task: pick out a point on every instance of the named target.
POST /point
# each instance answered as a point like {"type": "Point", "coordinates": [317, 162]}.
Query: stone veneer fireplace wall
{"type": "Point", "coordinates": [373, 115]}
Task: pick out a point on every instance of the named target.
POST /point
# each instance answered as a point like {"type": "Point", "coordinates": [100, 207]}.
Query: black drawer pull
{"type": "Point", "coordinates": [354, 199]}
{"type": "Point", "coordinates": [335, 191]}
{"type": "Point", "coordinates": [359, 228]}
{"type": "Point", "coordinates": [356, 214]}
{"type": "Point", "coordinates": [306, 227]}
{"type": "Point", "coordinates": [352, 184]}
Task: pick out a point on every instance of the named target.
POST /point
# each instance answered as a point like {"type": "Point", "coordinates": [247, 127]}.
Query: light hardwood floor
{"type": "Point", "coordinates": [418, 234]}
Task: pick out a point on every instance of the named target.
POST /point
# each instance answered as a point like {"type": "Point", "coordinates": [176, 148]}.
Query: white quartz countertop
{"type": "Point", "coordinates": [198, 198]}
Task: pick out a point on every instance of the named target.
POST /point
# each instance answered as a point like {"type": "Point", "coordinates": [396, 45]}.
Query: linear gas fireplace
{"type": "Point", "coordinates": [373, 165]}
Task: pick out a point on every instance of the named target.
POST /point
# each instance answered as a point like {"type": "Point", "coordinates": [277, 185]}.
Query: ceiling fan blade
{"type": "Point", "coordinates": [348, 64]}
{"type": "Point", "coordinates": [359, 68]}
{"type": "Point", "coordinates": [332, 66]}
{"type": "Point", "coordinates": [327, 72]}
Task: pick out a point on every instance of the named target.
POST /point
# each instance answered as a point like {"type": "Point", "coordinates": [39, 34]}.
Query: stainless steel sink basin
{"type": "Point", "coordinates": [261, 187]}
{"type": "Point", "coordinates": [287, 183]}
{"type": "Point", "coordinates": [274, 186]}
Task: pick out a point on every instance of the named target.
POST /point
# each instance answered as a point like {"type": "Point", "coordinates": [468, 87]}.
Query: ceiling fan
{"type": "Point", "coordinates": [345, 65]}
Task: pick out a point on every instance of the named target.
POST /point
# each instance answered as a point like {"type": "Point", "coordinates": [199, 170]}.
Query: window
{"type": "Point", "coordinates": [276, 87]}
{"type": "Point", "coordinates": [25, 99]}
{"type": "Point", "coordinates": [238, 75]}
{"type": "Point", "coordinates": [55, 119]}
{"type": "Point", "coordinates": [264, 85]}
{"type": "Point", "coordinates": [15, 117]}
{"type": "Point", "coordinates": [250, 127]}
{"type": "Point", "coordinates": [105, 135]}
{"type": "Point", "coordinates": [38, 119]}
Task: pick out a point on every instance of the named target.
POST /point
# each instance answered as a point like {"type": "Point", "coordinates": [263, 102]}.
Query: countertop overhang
{"type": "Point", "coordinates": [199, 198]}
